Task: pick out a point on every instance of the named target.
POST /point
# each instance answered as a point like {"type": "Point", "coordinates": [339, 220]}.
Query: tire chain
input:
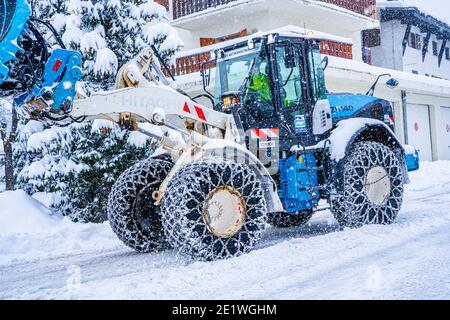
{"type": "Point", "coordinates": [354, 199]}
{"type": "Point", "coordinates": [143, 177]}
{"type": "Point", "coordinates": [183, 204]}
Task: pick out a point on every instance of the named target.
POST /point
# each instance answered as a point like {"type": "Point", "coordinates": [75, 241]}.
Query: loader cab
{"type": "Point", "coordinates": [273, 82]}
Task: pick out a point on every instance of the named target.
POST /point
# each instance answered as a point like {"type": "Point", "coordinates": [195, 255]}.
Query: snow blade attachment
{"type": "Point", "coordinates": [14, 15]}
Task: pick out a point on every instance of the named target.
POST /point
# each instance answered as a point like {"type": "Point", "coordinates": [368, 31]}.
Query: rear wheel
{"type": "Point", "coordinates": [132, 214]}
{"type": "Point", "coordinates": [214, 210]}
{"type": "Point", "coordinates": [288, 220]}
{"type": "Point", "coordinates": [373, 186]}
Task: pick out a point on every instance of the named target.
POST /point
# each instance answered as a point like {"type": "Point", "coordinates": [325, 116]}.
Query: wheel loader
{"type": "Point", "coordinates": [270, 147]}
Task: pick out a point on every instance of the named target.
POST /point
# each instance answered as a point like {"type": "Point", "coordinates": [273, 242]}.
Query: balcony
{"type": "Point", "coordinates": [363, 7]}
{"type": "Point", "coordinates": [184, 8]}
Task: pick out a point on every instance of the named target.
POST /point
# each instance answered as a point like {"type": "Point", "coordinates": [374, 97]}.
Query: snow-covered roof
{"type": "Point", "coordinates": [294, 31]}
{"type": "Point", "coordinates": [436, 8]}
{"type": "Point", "coordinates": [287, 31]}
{"type": "Point", "coordinates": [401, 10]}
{"type": "Point", "coordinates": [408, 81]}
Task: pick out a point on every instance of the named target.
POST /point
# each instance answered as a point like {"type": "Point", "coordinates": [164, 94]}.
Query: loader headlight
{"type": "Point", "coordinates": [230, 101]}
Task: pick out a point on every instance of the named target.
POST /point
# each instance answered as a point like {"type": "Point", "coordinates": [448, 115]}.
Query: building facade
{"type": "Point", "coordinates": [201, 23]}
{"type": "Point", "coordinates": [411, 41]}
{"type": "Point", "coordinates": [357, 37]}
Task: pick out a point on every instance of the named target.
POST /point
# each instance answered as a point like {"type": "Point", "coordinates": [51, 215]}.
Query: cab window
{"type": "Point", "coordinates": [258, 97]}
{"type": "Point", "coordinates": [290, 83]}
{"type": "Point", "coordinates": [289, 76]}
{"type": "Point", "coordinates": [318, 88]}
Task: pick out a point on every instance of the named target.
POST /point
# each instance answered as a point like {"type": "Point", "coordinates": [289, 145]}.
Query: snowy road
{"type": "Point", "coordinates": [410, 259]}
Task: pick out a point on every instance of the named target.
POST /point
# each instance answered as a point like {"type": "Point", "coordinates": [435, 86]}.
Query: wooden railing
{"type": "Point", "coordinates": [364, 7]}
{"type": "Point", "coordinates": [192, 63]}
{"type": "Point", "coordinates": [336, 49]}
{"type": "Point", "coordinates": [182, 8]}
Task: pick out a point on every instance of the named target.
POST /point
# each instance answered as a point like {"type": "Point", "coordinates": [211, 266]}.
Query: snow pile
{"type": "Point", "coordinates": [406, 260]}
{"type": "Point", "coordinates": [432, 175]}
{"type": "Point", "coordinates": [29, 230]}
{"type": "Point", "coordinates": [21, 214]}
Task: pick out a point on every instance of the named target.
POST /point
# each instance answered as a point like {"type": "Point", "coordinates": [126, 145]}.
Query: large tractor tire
{"type": "Point", "coordinates": [132, 214]}
{"type": "Point", "coordinates": [214, 209]}
{"type": "Point", "coordinates": [373, 187]}
{"type": "Point", "coordinates": [286, 220]}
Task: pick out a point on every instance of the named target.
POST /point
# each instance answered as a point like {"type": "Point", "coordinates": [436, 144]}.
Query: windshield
{"type": "Point", "coordinates": [233, 70]}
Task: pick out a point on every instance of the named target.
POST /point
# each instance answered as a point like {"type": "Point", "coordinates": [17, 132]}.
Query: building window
{"type": "Point", "coordinates": [371, 38]}
{"type": "Point", "coordinates": [435, 48]}
{"type": "Point", "coordinates": [447, 53]}
{"type": "Point", "coordinates": [415, 41]}
{"type": "Point", "coordinates": [415, 72]}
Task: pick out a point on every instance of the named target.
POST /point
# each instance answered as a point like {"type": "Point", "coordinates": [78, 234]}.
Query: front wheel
{"type": "Point", "coordinates": [373, 186]}
{"type": "Point", "coordinates": [214, 209]}
{"type": "Point", "coordinates": [132, 212]}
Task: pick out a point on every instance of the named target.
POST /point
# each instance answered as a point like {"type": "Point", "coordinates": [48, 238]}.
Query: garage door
{"type": "Point", "coordinates": [445, 132]}
{"type": "Point", "coordinates": [419, 132]}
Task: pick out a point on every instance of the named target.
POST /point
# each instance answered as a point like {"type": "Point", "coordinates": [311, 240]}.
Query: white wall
{"type": "Point", "coordinates": [266, 15]}
{"type": "Point", "coordinates": [189, 39]}
{"type": "Point", "coordinates": [413, 59]}
{"type": "Point", "coordinates": [390, 53]}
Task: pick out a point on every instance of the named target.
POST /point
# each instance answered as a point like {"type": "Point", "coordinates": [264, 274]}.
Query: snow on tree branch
{"type": "Point", "coordinates": [110, 32]}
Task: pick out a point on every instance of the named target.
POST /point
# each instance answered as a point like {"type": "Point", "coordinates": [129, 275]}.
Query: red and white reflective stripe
{"type": "Point", "coordinates": [392, 118]}
{"type": "Point", "coordinates": [389, 119]}
{"type": "Point", "coordinates": [265, 133]}
{"type": "Point", "coordinates": [199, 111]}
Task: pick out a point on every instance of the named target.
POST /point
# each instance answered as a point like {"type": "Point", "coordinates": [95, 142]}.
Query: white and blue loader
{"type": "Point", "coordinates": [272, 144]}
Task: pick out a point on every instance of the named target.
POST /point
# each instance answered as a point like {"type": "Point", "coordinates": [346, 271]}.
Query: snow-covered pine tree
{"type": "Point", "coordinates": [72, 169]}
{"type": "Point", "coordinates": [110, 32]}
{"type": "Point", "coordinates": [23, 158]}
{"type": "Point", "coordinates": [105, 154]}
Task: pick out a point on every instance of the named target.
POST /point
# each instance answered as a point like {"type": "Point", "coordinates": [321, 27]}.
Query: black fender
{"type": "Point", "coordinates": [349, 132]}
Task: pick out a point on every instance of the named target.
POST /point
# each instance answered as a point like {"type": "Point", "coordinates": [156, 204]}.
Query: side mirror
{"type": "Point", "coordinates": [325, 62]}
{"type": "Point", "coordinates": [392, 83]}
{"type": "Point", "coordinates": [289, 57]}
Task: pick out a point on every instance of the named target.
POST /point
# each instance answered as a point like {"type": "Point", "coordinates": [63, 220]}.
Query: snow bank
{"type": "Point", "coordinates": [19, 213]}
{"type": "Point", "coordinates": [431, 176]}
{"type": "Point", "coordinates": [29, 230]}
{"type": "Point", "coordinates": [406, 260]}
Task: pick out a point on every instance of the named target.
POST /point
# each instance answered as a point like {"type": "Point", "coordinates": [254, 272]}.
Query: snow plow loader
{"type": "Point", "coordinates": [271, 145]}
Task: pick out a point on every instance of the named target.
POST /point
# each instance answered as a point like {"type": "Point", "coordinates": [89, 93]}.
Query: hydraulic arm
{"type": "Point", "coordinates": [44, 83]}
